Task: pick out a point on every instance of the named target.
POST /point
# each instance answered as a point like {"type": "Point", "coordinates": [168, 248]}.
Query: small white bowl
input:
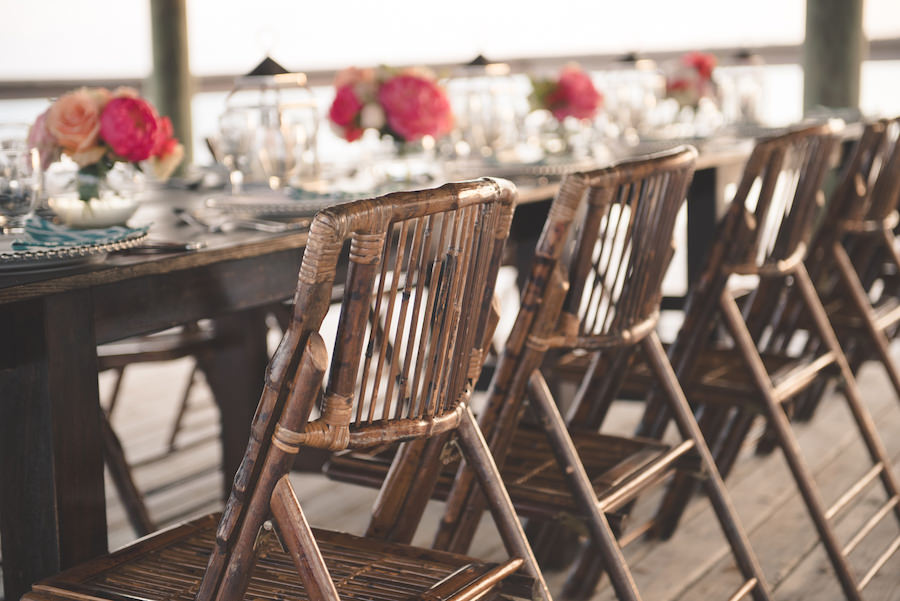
{"type": "Point", "coordinates": [95, 213]}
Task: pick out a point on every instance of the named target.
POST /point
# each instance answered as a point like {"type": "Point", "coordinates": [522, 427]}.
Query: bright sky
{"type": "Point", "coordinates": [86, 38]}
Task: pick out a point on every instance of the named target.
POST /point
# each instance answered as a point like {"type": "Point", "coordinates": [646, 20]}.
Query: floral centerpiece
{"type": "Point", "coordinates": [572, 94]}
{"type": "Point", "coordinates": [102, 131]}
{"type": "Point", "coordinates": [405, 104]}
{"type": "Point", "coordinates": [691, 79]}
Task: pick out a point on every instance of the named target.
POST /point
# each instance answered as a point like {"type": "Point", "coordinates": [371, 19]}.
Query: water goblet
{"type": "Point", "coordinates": [234, 142]}
{"type": "Point", "coordinates": [20, 184]}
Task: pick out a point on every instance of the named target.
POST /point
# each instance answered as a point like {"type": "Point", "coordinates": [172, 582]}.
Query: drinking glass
{"type": "Point", "coordinates": [235, 142]}
{"type": "Point", "coordinates": [20, 178]}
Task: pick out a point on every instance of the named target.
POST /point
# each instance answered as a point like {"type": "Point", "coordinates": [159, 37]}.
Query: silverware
{"type": "Point", "coordinates": [228, 223]}
{"type": "Point", "coordinates": [150, 247]}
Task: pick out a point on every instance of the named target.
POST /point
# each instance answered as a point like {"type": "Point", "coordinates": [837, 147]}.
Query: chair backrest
{"type": "Point", "coordinates": [869, 185]}
{"type": "Point", "coordinates": [598, 283]}
{"type": "Point", "coordinates": [766, 231]}
{"type": "Point", "coordinates": [620, 250]}
{"type": "Point", "coordinates": [414, 318]}
{"type": "Point", "coordinates": [776, 202]}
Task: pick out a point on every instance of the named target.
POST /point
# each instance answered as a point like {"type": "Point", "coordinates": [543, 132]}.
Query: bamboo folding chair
{"type": "Point", "coordinates": [765, 234]}
{"type": "Point", "coordinates": [430, 258]}
{"type": "Point", "coordinates": [187, 341]}
{"type": "Point", "coordinates": [593, 290]}
{"type": "Point", "coordinates": [854, 260]}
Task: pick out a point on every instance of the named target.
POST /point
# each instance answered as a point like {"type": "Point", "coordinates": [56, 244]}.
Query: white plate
{"type": "Point", "coordinates": [276, 205]}
{"type": "Point", "coordinates": [61, 256]}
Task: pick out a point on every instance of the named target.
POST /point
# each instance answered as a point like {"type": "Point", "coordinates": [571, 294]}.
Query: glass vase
{"type": "Point", "coordinates": [81, 199]}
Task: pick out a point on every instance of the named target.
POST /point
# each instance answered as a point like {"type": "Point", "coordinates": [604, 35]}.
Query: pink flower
{"type": "Point", "coordinates": [702, 62]}
{"type": "Point", "coordinates": [346, 106]}
{"type": "Point", "coordinates": [74, 120]}
{"type": "Point", "coordinates": [352, 76]}
{"type": "Point", "coordinates": [574, 95]}
{"type": "Point", "coordinates": [414, 106]}
{"type": "Point", "coordinates": [40, 137]}
{"type": "Point", "coordinates": [344, 113]}
{"type": "Point", "coordinates": [167, 152]}
{"type": "Point", "coordinates": [165, 141]}
{"type": "Point", "coordinates": [129, 126]}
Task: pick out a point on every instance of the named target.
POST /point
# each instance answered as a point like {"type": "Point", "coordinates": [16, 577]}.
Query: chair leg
{"type": "Point", "coordinates": [114, 397]}
{"type": "Point", "coordinates": [782, 429]}
{"type": "Point", "coordinates": [712, 423]}
{"type": "Point", "coordinates": [182, 407]}
{"type": "Point", "coordinates": [554, 544]}
{"type": "Point", "coordinates": [715, 488]}
{"type": "Point", "coordinates": [864, 310]}
{"type": "Point", "coordinates": [478, 456]}
{"type": "Point", "coordinates": [861, 415]}
{"type": "Point", "coordinates": [737, 434]}
{"type": "Point", "coordinates": [131, 497]}
{"type": "Point", "coordinates": [585, 575]}
{"type": "Point", "coordinates": [566, 454]}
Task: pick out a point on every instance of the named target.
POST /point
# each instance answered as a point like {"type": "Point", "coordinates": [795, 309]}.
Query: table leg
{"type": "Point", "coordinates": [52, 506]}
{"type": "Point", "coordinates": [235, 373]}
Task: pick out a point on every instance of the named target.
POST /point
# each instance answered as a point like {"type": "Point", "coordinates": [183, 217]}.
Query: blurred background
{"type": "Point", "coordinates": [102, 42]}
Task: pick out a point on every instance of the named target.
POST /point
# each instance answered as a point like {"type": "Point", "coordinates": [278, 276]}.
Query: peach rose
{"type": "Point", "coordinates": [40, 137]}
{"type": "Point", "coordinates": [125, 92]}
{"type": "Point", "coordinates": [89, 156]}
{"type": "Point", "coordinates": [352, 76]}
{"type": "Point", "coordinates": [74, 120]}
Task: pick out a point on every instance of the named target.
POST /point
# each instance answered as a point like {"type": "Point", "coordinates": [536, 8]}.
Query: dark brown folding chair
{"type": "Point", "coordinates": [430, 259]}
{"type": "Point", "coordinates": [853, 258]}
{"type": "Point", "coordinates": [593, 293]}
{"type": "Point", "coordinates": [765, 234]}
{"type": "Point", "coordinates": [185, 341]}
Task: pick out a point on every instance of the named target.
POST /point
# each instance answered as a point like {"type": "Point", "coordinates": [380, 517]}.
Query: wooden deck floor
{"type": "Point", "coordinates": [694, 565]}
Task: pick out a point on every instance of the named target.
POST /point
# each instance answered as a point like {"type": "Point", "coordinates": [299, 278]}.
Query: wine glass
{"type": "Point", "coordinates": [234, 144]}
{"type": "Point", "coordinates": [20, 177]}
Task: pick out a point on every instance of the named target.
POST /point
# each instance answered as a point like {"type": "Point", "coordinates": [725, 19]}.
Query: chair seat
{"type": "Point", "coordinates": [725, 378]}
{"type": "Point", "coordinates": [169, 565]}
{"type": "Point", "coordinates": [536, 484]}
{"type": "Point", "coordinates": [844, 314]}
{"type": "Point", "coordinates": [162, 346]}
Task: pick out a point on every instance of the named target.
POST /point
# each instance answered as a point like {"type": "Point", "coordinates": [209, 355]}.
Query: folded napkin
{"type": "Point", "coordinates": [40, 233]}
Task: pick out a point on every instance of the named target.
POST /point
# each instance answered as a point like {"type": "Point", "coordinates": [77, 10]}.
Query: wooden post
{"type": "Point", "coordinates": [834, 49]}
{"type": "Point", "coordinates": [171, 79]}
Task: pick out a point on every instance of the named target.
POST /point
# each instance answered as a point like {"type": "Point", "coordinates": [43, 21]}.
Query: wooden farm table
{"type": "Point", "coordinates": [52, 507]}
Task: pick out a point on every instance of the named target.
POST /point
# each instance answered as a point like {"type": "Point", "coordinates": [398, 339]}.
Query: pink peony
{"type": "Point", "coordinates": [415, 106]}
{"type": "Point", "coordinates": [167, 153]}
{"type": "Point", "coordinates": [344, 113]}
{"type": "Point", "coordinates": [346, 106]}
{"type": "Point", "coordinates": [74, 120]}
{"type": "Point", "coordinates": [574, 95]}
{"type": "Point", "coordinates": [702, 62]}
{"type": "Point", "coordinates": [129, 126]}
{"type": "Point", "coordinates": [165, 140]}
{"type": "Point", "coordinates": [39, 137]}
